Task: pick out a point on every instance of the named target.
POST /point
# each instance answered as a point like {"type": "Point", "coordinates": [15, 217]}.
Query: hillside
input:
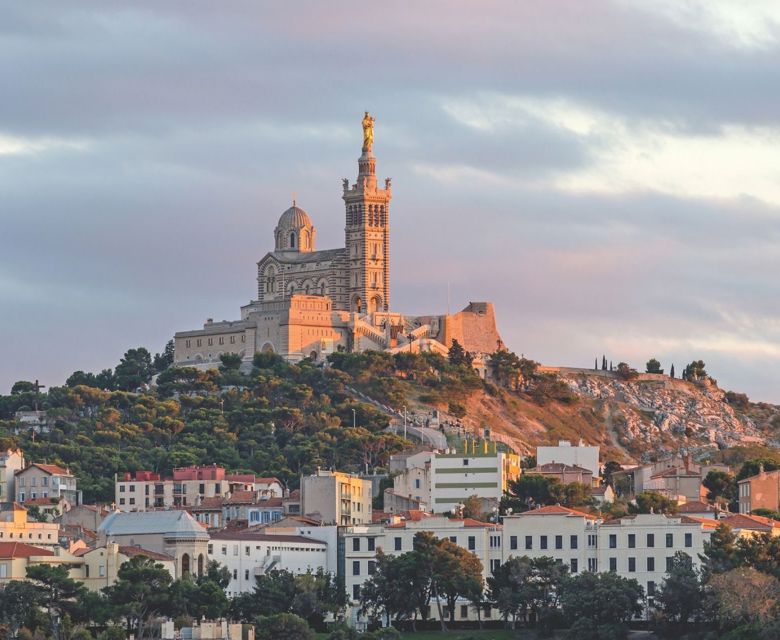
{"type": "Point", "coordinates": [286, 420]}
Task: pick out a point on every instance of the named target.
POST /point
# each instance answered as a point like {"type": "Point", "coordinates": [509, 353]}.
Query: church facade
{"type": "Point", "coordinates": [311, 302]}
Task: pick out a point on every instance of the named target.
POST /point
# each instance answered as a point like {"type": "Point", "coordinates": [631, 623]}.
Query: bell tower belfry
{"type": "Point", "coordinates": [367, 233]}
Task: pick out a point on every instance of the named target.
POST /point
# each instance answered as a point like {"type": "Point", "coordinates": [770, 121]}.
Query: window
{"type": "Point", "coordinates": [246, 551]}
{"type": "Point", "coordinates": [454, 539]}
{"type": "Point", "coordinates": [650, 540]}
{"type": "Point", "coordinates": [356, 592]}
{"type": "Point", "coordinates": [650, 589]}
{"type": "Point", "coordinates": [355, 544]}
{"type": "Point", "coordinates": [121, 488]}
{"type": "Point", "coordinates": [631, 565]}
{"type": "Point", "coordinates": [132, 500]}
{"type": "Point", "coordinates": [473, 543]}
{"type": "Point", "coordinates": [669, 540]}
{"type": "Point", "coordinates": [494, 565]}
{"type": "Point", "coordinates": [201, 488]}
{"type": "Point", "coordinates": [235, 549]}
{"type": "Point", "coordinates": [464, 611]}
{"type": "Point", "coordinates": [593, 565]}
{"type": "Point", "coordinates": [542, 542]}
{"type": "Point", "coordinates": [650, 563]}
{"type": "Point", "coordinates": [573, 565]}
{"type": "Point", "coordinates": [356, 567]}
{"type": "Point", "coordinates": [246, 574]}
{"type": "Point", "coordinates": [102, 571]}
{"type": "Point", "coordinates": [417, 483]}
{"type": "Point", "coordinates": [371, 544]}
{"type": "Point", "coordinates": [669, 563]}
{"type": "Point", "coordinates": [495, 542]}
{"type": "Point", "coordinates": [631, 540]}
{"type": "Point", "coordinates": [121, 500]}
{"type": "Point", "coordinates": [371, 567]}
{"type": "Point", "coordinates": [224, 549]}
{"type": "Point", "coordinates": [593, 541]}
{"type": "Point", "coordinates": [86, 571]}
{"type": "Point", "coordinates": [574, 542]}
{"type": "Point", "coordinates": [3, 570]}
{"type": "Point", "coordinates": [465, 462]}
{"type": "Point", "coordinates": [211, 549]}
{"type": "Point", "coordinates": [612, 541]}
{"type": "Point", "coordinates": [688, 539]}
{"type": "Point", "coordinates": [613, 564]}
{"type": "Point", "coordinates": [398, 544]}
{"type": "Point", "coordinates": [559, 542]}
{"type": "Point", "coordinates": [235, 574]}
{"type": "Point", "coordinates": [512, 542]}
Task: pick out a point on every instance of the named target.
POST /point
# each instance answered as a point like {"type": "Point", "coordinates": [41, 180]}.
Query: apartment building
{"type": "Point", "coordinates": [581, 455]}
{"type": "Point", "coordinates": [46, 481]}
{"type": "Point", "coordinates": [337, 497]}
{"type": "Point", "coordinates": [761, 491]}
{"type": "Point", "coordinates": [15, 527]}
{"type": "Point", "coordinates": [188, 486]}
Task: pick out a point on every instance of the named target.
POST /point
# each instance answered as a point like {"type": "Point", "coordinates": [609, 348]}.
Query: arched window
{"type": "Point", "coordinates": [185, 564]}
{"type": "Point", "coordinates": [292, 240]}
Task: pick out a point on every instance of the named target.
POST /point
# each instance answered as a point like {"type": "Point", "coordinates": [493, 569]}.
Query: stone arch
{"type": "Point", "coordinates": [313, 356]}
{"type": "Point", "coordinates": [322, 287]}
{"type": "Point", "coordinates": [267, 348]}
{"type": "Point", "coordinates": [185, 564]}
{"type": "Point", "coordinates": [198, 357]}
{"type": "Point", "coordinates": [375, 304]}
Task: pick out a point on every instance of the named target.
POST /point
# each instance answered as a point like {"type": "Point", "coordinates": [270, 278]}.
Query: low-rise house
{"type": "Point", "coordinates": [748, 525]}
{"type": "Point", "coordinates": [39, 480]}
{"type": "Point", "coordinates": [393, 502]}
{"type": "Point", "coordinates": [172, 533]}
{"type": "Point", "coordinates": [252, 507]}
{"type": "Point", "coordinates": [11, 461]}
{"type": "Point", "coordinates": [563, 473]}
{"type": "Point", "coordinates": [761, 491]}
{"type": "Point", "coordinates": [698, 509]}
{"type": "Point", "coordinates": [603, 494]}
{"type": "Point", "coordinates": [676, 477]}
{"type": "Point", "coordinates": [209, 512]}
{"type": "Point", "coordinates": [248, 555]}
{"type": "Point", "coordinates": [582, 455]}
{"type": "Point", "coordinates": [16, 557]}
{"type": "Point", "coordinates": [88, 516]}
{"type": "Point", "coordinates": [15, 526]}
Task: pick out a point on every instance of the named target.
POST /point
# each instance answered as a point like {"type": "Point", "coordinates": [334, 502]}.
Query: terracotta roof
{"type": "Point", "coordinates": [695, 506]}
{"type": "Point", "coordinates": [710, 523]}
{"type": "Point", "coordinates": [240, 477]}
{"type": "Point", "coordinates": [557, 510]}
{"type": "Point", "coordinates": [51, 469]}
{"type": "Point", "coordinates": [9, 550]}
{"type": "Point", "coordinates": [676, 471]}
{"type": "Point", "coordinates": [754, 523]}
{"type": "Point", "coordinates": [214, 502]}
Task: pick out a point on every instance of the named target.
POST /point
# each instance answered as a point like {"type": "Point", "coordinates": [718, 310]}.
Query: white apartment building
{"type": "Point", "coordinates": [582, 455]}
{"type": "Point", "coordinates": [414, 479]}
{"type": "Point", "coordinates": [248, 555]}
{"type": "Point", "coordinates": [478, 469]}
{"type": "Point", "coordinates": [362, 542]}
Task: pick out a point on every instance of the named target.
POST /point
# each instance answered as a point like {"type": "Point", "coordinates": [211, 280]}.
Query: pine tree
{"type": "Point", "coordinates": [671, 372]}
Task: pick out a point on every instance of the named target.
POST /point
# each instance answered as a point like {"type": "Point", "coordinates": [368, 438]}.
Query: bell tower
{"type": "Point", "coordinates": [367, 233]}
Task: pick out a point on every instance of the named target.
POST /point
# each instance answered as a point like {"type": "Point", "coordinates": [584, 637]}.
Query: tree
{"type": "Point", "coordinates": [58, 592]}
{"type": "Point", "coordinates": [458, 574]}
{"type": "Point", "coordinates": [141, 592]}
{"type": "Point", "coordinates": [458, 356]}
{"type": "Point", "coordinates": [600, 605]}
{"type": "Point", "coordinates": [610, 467]}
{"type": "Point", "coordinates": [18, 600]}
{"type": "Point", "coordinates": [720, 552]}
{"type": "Point", "coordinates": [653, 502]}
{"type": "Point", "coordinates": [472, 507]}
{"type": "Point", "coordinates": [577, 494]}
{"type": "Point", "coordinates": [532, 490]}
{"type": "Point", "coordinates": [625, 372]}
{"type": "Point", "coordinates": [744, 597]}
{"type": "Point", "coordinates": [509, 589]}
{"type": "Point", "coordinates": [230, 362]}
{"type": "Point", "coordinates": [653, 366]}
{"type": "Point", "coordinates": [386, 593]}
{"type": "Point", "coordinates": [695, 371]}
{"type": "Point", "coordinates": [722, 487]}
{"type": "Point", "coordinates": [753, 467]}
{"type": "Point", "coordinates": [671, 372]}
{"type": "Point", "coordinates": [283, 625]}
{"type": "Point", "coordinates": [23, 386]}
{"type": "Point", "coordinates": [165, 359]}
{"type": "Point", "coordinates": [680, 595]}
{"type": "Point", "coordinates": [134, 370]}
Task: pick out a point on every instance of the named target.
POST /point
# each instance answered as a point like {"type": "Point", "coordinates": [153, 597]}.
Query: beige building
{"type": "Point", "coordinates": [336, 497]}
{"type": "Point", "coordinates": [11, 461]}
{"type": "Point", "coordinates": [99, 566]}
{"type": "Point", "coordinates": [15, 557]}
{"type": "Point", "coordinates": [39, 480]}
{"type": "Point", "coordinates": [188, 486]}
{"type": "Point", "coordinates": [15, 527]}
{"type": "Point", "coordinates": [761, 491]}
{"type": "Point", "coordinates": [312, 302]}
{"type": "Point", "coordinates": [563, 473]}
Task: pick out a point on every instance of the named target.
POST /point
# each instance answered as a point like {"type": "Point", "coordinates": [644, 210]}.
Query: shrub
{"type": "Point", "coordinates": [283, 625]}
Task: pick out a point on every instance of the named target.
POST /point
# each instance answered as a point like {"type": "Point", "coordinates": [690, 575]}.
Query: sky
{"type": "Point", "coordinates": [607, 174]}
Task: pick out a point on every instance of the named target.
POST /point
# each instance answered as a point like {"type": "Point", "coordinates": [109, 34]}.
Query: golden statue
{"type": "Point", "coordinates": [368, 132]}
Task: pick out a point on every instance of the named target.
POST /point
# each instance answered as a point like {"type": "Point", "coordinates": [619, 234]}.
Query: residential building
{"type": "Point", "coordinates": [188, 486]}
{"type": "Point", "coordinates": [761, 491]}
{"type": "Point", "coordinates": [252, 507]}
{"type": "Point", "coordinates": [563, 473]}
{"type": "Point", "coordinates": [250, 554]}
{"type": "Point", "coordinates": [337, 497]}
{"type": "Point", "coordinates": [676, 477]}
{"type": "Point", "coordinates": [582, 455]}
{"type": "Point", "coordinates": [603, 494]}
{"type": "Point", "coordinates": [15, 557]}
{"type": "Point", "coordinates": [209, 512]}
{"type": "Point", "coordinates": [39, 480]}
{"type": "Point", "coordinates": [16, 527]}
{"type": "Point", "coordinates": [172, 533]}
{"type": "Point", "coordinates": [11, 461]}
{"type": "Point", "coordinates": [35, 421]}
{"type": "Point", "coordinates": [478, 469]}
{"type": "Point", "coordinates": [413, 477]}
{"type": "Point", "coordinates": [88, 516]}
{"type": "Point", "coordinates": [394, 502]}
{"type": "Point", "coordinates": [748, 525]}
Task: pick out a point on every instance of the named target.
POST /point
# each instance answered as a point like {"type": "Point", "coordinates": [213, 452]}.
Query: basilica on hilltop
{"type": "Point", "coordinates": [313, 302]}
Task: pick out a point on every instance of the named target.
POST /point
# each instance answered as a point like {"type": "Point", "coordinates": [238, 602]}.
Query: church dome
{"type": "Point", "coordinates": [295, 232]}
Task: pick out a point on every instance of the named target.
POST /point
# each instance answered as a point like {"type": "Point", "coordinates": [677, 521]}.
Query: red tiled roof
{"type": "Point", "coordinates": [755, 523]}
{"type": "Point", "coordinates": [710, 523]}
{"type": "Point", "coordinates": [51, 469]}
{"type": "Point", "coordinates": [695, 506]}
{"type": "Point", "coordinates": [557, 510]}
{"type": "Point", "coordinates": [214, 502]}
{"type": "Point", "coordinates": [9, 550]}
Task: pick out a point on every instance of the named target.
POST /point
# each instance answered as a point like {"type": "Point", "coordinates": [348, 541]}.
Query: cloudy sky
{"type": "Point", "coordinates": [608, 174]}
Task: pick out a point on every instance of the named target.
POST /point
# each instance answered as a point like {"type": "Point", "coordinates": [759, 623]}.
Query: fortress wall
{"type": "Point", "coordinates": [474, 328]}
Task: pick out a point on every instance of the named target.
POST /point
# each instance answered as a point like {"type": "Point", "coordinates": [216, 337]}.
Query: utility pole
{"type": "Point", "coordinates": [404, 422]}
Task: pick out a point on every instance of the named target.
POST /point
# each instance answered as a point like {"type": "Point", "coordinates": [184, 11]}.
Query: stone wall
{"type": "Point", "coordinates": [474, 328]}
